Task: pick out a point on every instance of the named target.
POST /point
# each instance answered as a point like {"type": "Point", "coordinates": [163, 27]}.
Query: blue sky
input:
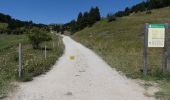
{"type": "Point", "coordinates": [58, 11]}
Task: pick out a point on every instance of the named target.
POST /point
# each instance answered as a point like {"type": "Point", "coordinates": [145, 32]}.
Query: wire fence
{"type": "Point", "coordinates": [30, 60]}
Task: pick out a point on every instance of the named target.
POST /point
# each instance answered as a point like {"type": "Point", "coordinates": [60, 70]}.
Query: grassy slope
{"type": "Point", "coordinates": [120, 43]}
{"type": "Point", "coordinates": [34, 61]}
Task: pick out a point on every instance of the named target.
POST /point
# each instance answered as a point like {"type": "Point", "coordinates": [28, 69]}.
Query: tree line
{"type": "Point", "coordinates": [143, 6]}
{"type": "Point", "coordinates": [86, 19]}
{"type": "Point", "coordinates": [17, 26]}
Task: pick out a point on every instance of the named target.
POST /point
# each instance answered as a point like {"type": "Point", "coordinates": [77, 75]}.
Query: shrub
{"type": "Point", "coordinates": [37, 36]}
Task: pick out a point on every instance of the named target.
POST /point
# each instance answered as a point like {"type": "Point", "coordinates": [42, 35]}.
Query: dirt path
{"type": "Point", "coordinates": [85, 77]}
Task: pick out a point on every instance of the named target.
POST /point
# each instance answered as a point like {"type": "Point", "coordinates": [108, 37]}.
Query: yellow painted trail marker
{"type": "Point", "coordinates": [72, 57]}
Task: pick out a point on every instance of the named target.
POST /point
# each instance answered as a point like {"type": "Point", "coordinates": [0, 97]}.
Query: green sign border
{"type": "Point", "coordinates": [157, 26]}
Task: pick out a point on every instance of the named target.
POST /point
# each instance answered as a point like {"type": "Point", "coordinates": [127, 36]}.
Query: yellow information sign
{"type": "Point", "coordinates": [156, 35]}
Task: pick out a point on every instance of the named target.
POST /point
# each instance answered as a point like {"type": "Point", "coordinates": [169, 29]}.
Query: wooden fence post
{"type": "Point", "coordinates": [20, 60]}
{"type": "Point", "coordinates": [145, 69]}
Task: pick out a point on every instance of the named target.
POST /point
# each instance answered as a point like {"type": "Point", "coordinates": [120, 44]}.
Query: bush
{"type": "Point", "coordinates": [37, 36]}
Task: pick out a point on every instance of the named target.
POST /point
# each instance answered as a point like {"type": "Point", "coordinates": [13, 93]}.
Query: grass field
{"type": "Point", "coordinates": [3, 25]}
{"type": "Point", "coordinates": [120, 44]}
{"type": "Point", "coordinates": [34, 60]}
{"type": "Point", "coordinates": [7, 41]}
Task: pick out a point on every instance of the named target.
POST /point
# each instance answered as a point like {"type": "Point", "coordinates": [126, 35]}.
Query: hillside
{"type": "Point", "coordinates": [120, 43]}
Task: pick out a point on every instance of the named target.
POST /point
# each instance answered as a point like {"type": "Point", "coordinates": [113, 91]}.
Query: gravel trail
{"type": "Point", "coordinates": [80, 75]}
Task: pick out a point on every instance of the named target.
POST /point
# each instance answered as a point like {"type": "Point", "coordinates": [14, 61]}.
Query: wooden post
{"type": "Point", "coordinates": [165, 51]}
{"type": "Point", "coordinates": [145, 69]}
{"type": "Point", "coordinates": [45, 51]}
{"type": "Point", "coordinates": [20, 60]}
